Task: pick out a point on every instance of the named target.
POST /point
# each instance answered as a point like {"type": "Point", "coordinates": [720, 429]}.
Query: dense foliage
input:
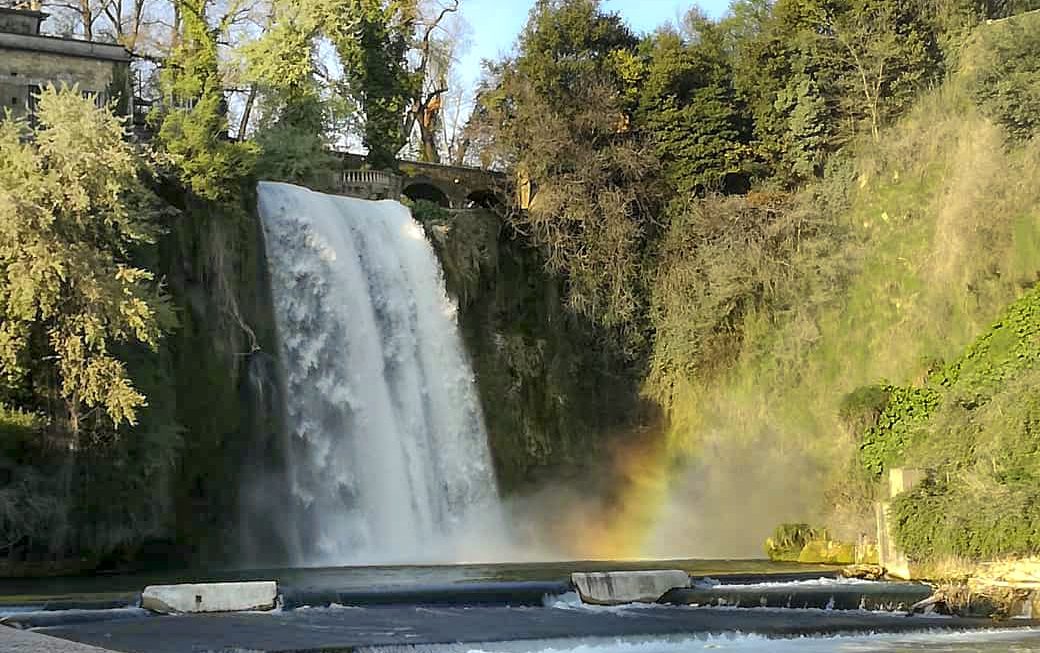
{"type": "Point", "coordinates": [83, 324]}
{"type": "Point", "coordinates": [1008, 82]}
{"type": "Point", "coordinates": [72, 210]}
{"type": "Point", "coordinates": [750, 244]}
{"type": "Point", "coordinates": [753, 317]}
{"type": "Point", "coordinates": [982, 448]}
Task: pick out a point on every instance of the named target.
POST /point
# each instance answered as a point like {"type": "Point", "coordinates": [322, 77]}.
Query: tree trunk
{"type": "Point", "coordinates": [244, 123]}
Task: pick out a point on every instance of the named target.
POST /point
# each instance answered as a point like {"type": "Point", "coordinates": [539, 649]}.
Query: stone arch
{"type": "Point", "coordinates": [422, 190]}
{"type": "Point", "coordinates": [484, 198]}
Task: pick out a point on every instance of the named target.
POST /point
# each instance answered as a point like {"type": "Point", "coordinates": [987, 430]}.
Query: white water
{"type": "Point", "coordinates": [388, 460]}
{"type": "Point", "coordinates": [982, 641]}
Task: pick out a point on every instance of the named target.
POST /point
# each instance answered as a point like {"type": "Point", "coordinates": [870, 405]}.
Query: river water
{"type": "Point", "coordinates": [994, 641]}
{"type": "Point", "coordinates": [115, 586]}
{"type": "Point", "coordinates": [557, 624]}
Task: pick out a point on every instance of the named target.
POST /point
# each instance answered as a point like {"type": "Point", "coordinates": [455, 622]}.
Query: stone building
{"type": "Point", "coordinates": [29, 61]}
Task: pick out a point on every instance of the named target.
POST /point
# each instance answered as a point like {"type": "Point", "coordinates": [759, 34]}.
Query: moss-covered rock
{"type": "Point", "coordinates": [788, 540]}
{"type": "Point", "coordinates": [828, 552]}
{"type": "Point", "coordinates": [555, 388]}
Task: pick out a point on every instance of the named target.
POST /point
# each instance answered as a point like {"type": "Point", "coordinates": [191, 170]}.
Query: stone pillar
{"type": "Point", "coordinates": [890, 557]}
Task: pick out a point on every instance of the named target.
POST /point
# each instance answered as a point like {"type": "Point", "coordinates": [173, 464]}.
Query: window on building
{"type": "Point", "coordinates": [33, 103]}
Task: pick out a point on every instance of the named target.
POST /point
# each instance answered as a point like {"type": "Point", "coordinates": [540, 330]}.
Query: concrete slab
{"type": "Point", "coordinates": [210, 597]}
{"type": "Point", "coordinates": [618, 587]}
{"type": "Point", "coordinates": [23, 641]}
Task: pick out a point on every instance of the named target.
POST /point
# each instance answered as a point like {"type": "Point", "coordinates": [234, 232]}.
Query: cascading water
{"type": "Point", "coordinates": [388, 458]}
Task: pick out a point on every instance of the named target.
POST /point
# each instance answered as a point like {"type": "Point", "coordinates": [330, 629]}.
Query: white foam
{"type": "Point", "coordinates": [794, 584]}
{"type": "Point", "coordinates": [1022, 640]}
{"type": "Point", "coordinates": [572, 601]}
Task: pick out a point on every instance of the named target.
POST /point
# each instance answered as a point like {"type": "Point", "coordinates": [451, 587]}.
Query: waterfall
{"type": "Point", "coordinates": [387, 459]}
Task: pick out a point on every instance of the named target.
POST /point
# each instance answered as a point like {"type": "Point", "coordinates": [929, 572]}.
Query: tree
{"type": "Point", "coordinates": [561, 115]}
{"type": "Point", "coordinates": [778, 76]}
{"type": "Point", "coordinates": [373, 38]}
{"type": "Point", "coordinates": [888, 50]}
{"type": "Point", "coordinates": [689, 111]}
{"type": "Point", "coordinates": [282, 69]}
{"type": "Point", "coordinates": [194, 126]}
{"type": "Point", "coordinates": [72, 210]}
{"type": "Point", "coordinates": [435, 50]}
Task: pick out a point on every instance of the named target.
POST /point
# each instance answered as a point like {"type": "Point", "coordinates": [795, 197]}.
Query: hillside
{"type": "Point", "coordinates": [936, 232]}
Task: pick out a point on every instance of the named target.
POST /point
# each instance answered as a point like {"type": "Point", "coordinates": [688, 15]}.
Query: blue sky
{"type": "Point", "coordinates": [495, 24]}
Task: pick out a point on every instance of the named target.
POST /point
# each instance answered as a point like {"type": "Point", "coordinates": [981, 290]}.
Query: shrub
{"type": "Point", "coordinates": [789, 539]}
{"type": "Point", "coordinates": [1007, 87]}
{"type": "Point", "coordinates": [905, 413]}
{"type": "Point", "coordinates": [860, 409]}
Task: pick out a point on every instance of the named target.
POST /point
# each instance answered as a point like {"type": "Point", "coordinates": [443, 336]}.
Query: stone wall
{"type": "Point", "coordinates": [24, 71]}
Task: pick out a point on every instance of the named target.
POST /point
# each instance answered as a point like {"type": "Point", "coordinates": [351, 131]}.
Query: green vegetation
{"type": "Point", "coordinates": [84, 322]}
{"type": "Point", "coordinates": [888, 222]}
{"type": "Point", "coordinates": [373, 38]}
{"type": "Point", "coordinates": [884, 443]}
{"type": "Point", "coordinates": [983, 448]}
{"type": "Point", "coordinates": [774, 238]}
{"type": "Point", "coordinates": [788, 540]}
{"type": "Point", "coordinates": [1007, 86]}
{"type": "Point", "coordinates": [73, 210]}
{"type": "Point", "coordinates": [549, 379]}
{"type": "Point", "coordinates": [808, 545]}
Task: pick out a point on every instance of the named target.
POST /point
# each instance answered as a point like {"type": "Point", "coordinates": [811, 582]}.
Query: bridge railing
{"type": "Point", "coordinates": [369, 177]}
{"type": "Point", "coordinates": [370, 183]}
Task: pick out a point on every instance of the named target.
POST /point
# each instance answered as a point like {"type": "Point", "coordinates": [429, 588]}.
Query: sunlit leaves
{"type": "Point", "coordinates": [71, 210]}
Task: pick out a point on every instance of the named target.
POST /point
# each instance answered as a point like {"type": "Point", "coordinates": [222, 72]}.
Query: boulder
{"type": "Point", "coordinates": [210, 597]}
{"type": "Point", "coordinates": [617, 587]}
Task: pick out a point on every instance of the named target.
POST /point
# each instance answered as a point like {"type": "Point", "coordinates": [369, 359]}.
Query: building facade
{"type": "Point", "coordinates": [29, 61]}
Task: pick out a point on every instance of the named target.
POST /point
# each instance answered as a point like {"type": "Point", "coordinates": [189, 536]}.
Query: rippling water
{"type": "Point", "coordinates": [993, 641]}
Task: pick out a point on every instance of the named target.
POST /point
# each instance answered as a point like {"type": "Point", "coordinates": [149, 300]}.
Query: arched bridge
{"type": "Point", "coordinates": [452, 187]}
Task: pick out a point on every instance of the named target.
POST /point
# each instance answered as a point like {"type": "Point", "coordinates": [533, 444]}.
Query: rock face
{"type": "Point", "coordinates": [210, 597]}
{"type": "Point", "coordinates": [617, 587]}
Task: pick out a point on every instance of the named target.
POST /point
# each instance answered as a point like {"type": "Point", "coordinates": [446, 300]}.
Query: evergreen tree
{"type": "Point", "coordinates": [689, 112]}
{"type": "Point", "coordinates": [373, 38]}
{"type": "Point", "coordinates": [72, 210]}
{"type": "Point", "coordinates": [194, 128]}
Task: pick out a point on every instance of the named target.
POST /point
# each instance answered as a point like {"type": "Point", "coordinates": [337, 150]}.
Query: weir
{"type": "Point", "coordinates": [387, 457]}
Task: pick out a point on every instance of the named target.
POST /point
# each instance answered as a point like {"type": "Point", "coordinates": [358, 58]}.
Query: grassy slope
{"type": "Point", "coordinates": [943, 231]}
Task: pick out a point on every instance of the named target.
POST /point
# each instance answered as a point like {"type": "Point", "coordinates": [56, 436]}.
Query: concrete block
{"type": "Point", "coordinates": [889, 556]}
{"type": "Point", "coordinates": [617, 587]}
{"type": "Point", "coordinates": [210, 597]}
{"type": "Point", "coordinates": [902, 479]}
{"type": "Point", "coordinates": [23, 641]}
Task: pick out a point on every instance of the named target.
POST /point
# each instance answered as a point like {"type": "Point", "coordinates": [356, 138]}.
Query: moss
{"type": "Point", "coordinates": [788, 540]}
{"type": "Point", "coordinates": [554, 388]}
{"type": "Point", "coordinates": [827, 552]}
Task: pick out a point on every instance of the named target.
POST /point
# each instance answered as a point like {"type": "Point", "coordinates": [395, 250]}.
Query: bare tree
{"type": "Point", "coordinates": [435, 49]}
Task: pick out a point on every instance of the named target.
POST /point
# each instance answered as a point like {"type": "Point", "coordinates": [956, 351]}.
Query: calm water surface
{"type": "Point", "coordinates": [111, 586]}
